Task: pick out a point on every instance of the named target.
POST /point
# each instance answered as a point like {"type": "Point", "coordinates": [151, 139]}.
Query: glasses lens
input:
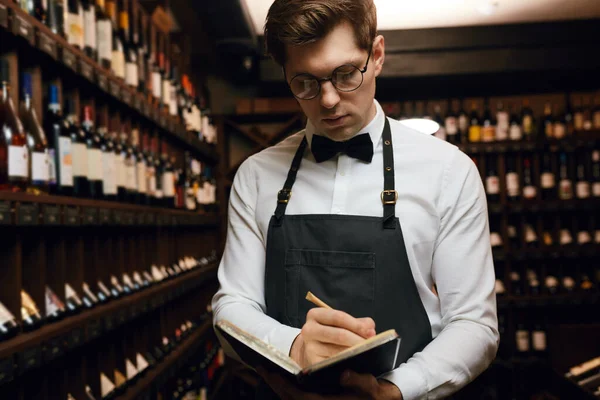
{"type": "Point", "coordinates": [347, 78]}
{"type": "Point", "coordinates": [304, 87]}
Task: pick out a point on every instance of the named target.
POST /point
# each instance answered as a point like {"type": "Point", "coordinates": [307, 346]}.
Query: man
{"type": "Point", "coordinates": [364, 212]}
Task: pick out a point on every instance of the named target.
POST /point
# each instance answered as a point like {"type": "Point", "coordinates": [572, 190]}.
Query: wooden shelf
{"type": "Point", "coordinates": [28, 209]}
{"type": "Point", "coordinates": [32, 349]}
{"type": "Point", "coordinates": [578, 140]}
{"type": "Point", "coordinates": [535, 206]}
{"type": "Point", "coordinates": [183, 351]}
{"type": "Point", "coordinates": [39, 36]}
{"type": "Point", "coordinates": [546, 300]}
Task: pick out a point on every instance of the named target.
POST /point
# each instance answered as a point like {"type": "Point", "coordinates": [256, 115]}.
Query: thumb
{"type": "Point", "coordinates": [362, 383]}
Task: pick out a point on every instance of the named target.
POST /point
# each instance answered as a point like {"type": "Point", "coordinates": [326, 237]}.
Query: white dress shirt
{"type": "Point", "coordinates": [443, 213]}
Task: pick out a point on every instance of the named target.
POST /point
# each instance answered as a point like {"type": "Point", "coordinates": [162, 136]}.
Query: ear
{"type": "Point", "coordinates": [378, 54]}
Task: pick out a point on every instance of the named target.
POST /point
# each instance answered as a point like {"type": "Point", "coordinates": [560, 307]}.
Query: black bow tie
{"type": "Point", "coordinates": [359, 147]}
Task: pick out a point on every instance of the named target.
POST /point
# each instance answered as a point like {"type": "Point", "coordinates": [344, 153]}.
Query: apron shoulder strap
{"type": "Point", "coordinates": [389, 195]}
{"type": "Point", "coordinates": [284, 195]}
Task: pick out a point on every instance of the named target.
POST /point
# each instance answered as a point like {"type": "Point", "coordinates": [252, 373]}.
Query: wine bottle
{"type": "Point", "coordinates": [103, 293]}
{"type": "Point", "coordinates": [533, 282]}
{"type": "Point", "coordinates": [88, 296]}
{"type": "Point", "coordinates": [551, 283]}
{"type": "Point", "coordinates": [14, 154]}
{"type": "Point", "coordinates": [515, 130]}
{"type": "Point", "coordinates": [565, 189]}
{"type": "Point", "coordinates": [564, 234]}
{"type": "Point", "coordinates": [190, 198]}
{"type": "Point", "coordinates": [131, 165]}
{"type": "Point", "coordinates": [538, 338]}
{"type": "Point", "coordinates": [80, 153]}
{"type": "Point", "coordinates": [168, 179]}
{"type": "Point", "coordinates": [90, 29]}
{"type": "Point", "coordinates": [72, 299]}
{"type": "Point", "coordinates": [120, 382]}
{"type": "Point", "coordinates": [60, 153]}
{"type": "Point", "coordinates": [512, 179]}
{"type": "Point", "coordinates": [548, 181]}
{"type": "Point", "coordinates": [568, 284]}
{"type": "Point", "coordinates": [582, 187]}
{"type": "Point", "coordinates": [502, 122]}
{"type": "Point", "coordinates": [130, 54]}
{"type": "Point", "coordinates": [55, 308]}
{"type": "Point", "coordinates": [151, 172]}
{"type": "Point", "coordinates": [475, 124]}
{"type": "Point", "coordinates": [141, 282]}
{"type": "Point", "coordinates": [131, 371]}
{"type": "Point", "coordinates": [596, 173]}
{"type": "Point", "coordinates": [548, 122]}
{"type": "Point", "coordinates": [117, 55]}
{"type": "Point", "coordinates": [116, 290]}
{"type": "Point", "coordinates": [529, 187]}
{"type": "Point", "coordinates": [109, 162]}
{"type": "Point", "coordinates": [127, 284]}
{"type": "Point", "coordinates": [55, 19]}
{"type": "Point", "coordinates": [522, 339]}
{"type": "Point", "coordinates": [142, 363]}
{"type": "Point", "coordinates": [437, 117]}
{"type": "Point", "coordinates": [586, 284]}
{"type": "Point", "coordinates": [157, 274]}
{"type": "Point", "coordinates": [568, 116]}
{"type": "Point", "coordinates": [37, 142]}
{"type": "Point", "coordinates": [488, 129]}
{"type": "Point", "coordinates": [139, 44]}
{"type": "Point", "coordinates": [94, 155]}
{"type": "Point", "coordinates": [89, 393]}
{"type": "Point", "coordinates": [139, 150]}
{"type": "Point", "coordinates": [515, 283]}
{"type": "Point", "coordinates": [148, 277]}
{"type": "Point", "coordinates": [578, 115]}
{"type": "Point", "coordinates": [596, 113]}
{"type": "Point", "coordinates": [103, 35]}
{"type": "Point", "coordinates": [107, 388]}
{"type": "Point", "coordinates": [9, 326]}
{"type": "Point", "coordinates": [121, 168]}
{"type": "Point", "coordinates": [30, 314]}
{"type": "Point", "coordinates": [531, 238]}
{"type": "Point", "coordinates": [560, 123]}
{"type": "Point", "coordinates": [587, 114]}
{"type": "Point", "coordinates": [527, 121]}
{"type": "Point", "coordinates": [583, 229]}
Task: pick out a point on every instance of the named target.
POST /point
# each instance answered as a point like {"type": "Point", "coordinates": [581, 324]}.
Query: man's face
{"type": "Point", "coordinates": [338, 115]}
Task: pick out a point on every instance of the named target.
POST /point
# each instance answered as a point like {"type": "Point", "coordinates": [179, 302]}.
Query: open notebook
{"type": "Point", "coordinates": [376, 355]}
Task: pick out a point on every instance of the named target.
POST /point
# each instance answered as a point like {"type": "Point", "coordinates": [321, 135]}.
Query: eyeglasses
{"type": "Point", "coordinates": [345, 78]}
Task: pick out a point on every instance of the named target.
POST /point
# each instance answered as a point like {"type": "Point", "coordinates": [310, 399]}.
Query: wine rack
{"type": "Point", "coordinates": [39, 38]}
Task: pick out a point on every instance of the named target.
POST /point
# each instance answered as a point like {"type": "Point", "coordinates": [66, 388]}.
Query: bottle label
{"type": "Point", "coordinates": [80, 160]}
{"type": "Point", "coordinates": [495, 239]}
{"type": "Point", "coordinates": [166, 92]}
{"type": "Point", "coordinates": [549, 130]}
{"type": "Point", "coordinates": [512, 184]}
{"type": "Point", "coordinates": [583, 189]}
{"type": "Point", "coordinates": [65, 158]}
{"type": "Point", "coordinates": [596, 189]}
{"type": "Point", "coordinates": [118, 63]}
{"type": "Point", "coordinates": [141, 177]}
{"type": "Point", "coordinates": [451, 126]}
{"type": "Point", "coordinates": [583, 237]}
{"type": "Point", "coordinates": [89, 24]}
{"type": "Point", "coordinates": [121, 171]}
{"type": "Point", "coordinates": [39, 167]}
{"type": "Point", "coordinates": [190, 199]}
{"type": "Point", "coordinates": [151, 180]}
{"type": "Point", "coordinates": [565, 237]}
{"type": "Point", "coordinates": [52, 167]}
{"type": "Point", "coordinates": [522, 340]}
{"type": "Point", "coordinates": [104, 32]}
{"type": "Point", "coordinates": [530, 235]}
{"type": "Point", "coordinates": [156, 84]}
{"type": "Point", "coordinates": [492, 185]}
{"type": "Point", "coordinates": [565, 189]}
{"type": "Point", "coordinates": [596, 120]}
{"type": "Point", "coordinates": [109, 173]}
{"type": "Point", "coordinates": [131, 183]}
{"type": "Point", "coordinates": [539, 340]}
{"type": "Point", "coordinates": [560, 130]}
{"type": "Point", "coordinates": [463, 123]}
{"type": "Point", "coordinates": [131, 74]}
{"type": "Point", "coordinates": [548, 180]}
{"type": "Point", "coordinates": [578, 121]}
{"type": "Point", "coordinates": [474, 133]}
{"type": "Point", "coordinates": [502, 125]}
{"type": "Point", "coordinates": [488, 133]}
{"type": "Point", "coordinates": [529, 192]}
{"type": "Point", "coordinates": [18, 161]}
{"type": "Point", "coordinates": [515, 132]}
{"type": "Point", "coordinates": [75, 29]}
{"type": "Point", "coordinates": [95, 164]}
{"type": "Point", "coordinates": [173, 103]}
{"type": "Point", "coordinates": [168, 184]}
{"type": "Point", "coordinates": [527, 124]}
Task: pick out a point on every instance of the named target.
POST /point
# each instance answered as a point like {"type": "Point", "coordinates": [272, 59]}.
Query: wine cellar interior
{"type": "Point", "coordinates": [120, 144]}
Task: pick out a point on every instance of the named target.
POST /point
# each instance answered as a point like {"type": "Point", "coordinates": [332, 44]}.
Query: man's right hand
{"type": "Point", "coordinates": [326, 333]}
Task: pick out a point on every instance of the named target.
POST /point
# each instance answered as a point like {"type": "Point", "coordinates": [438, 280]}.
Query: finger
{"type": "Point", "coordinates": [329, 334]}
{"type": "Point", "coordinates": [368, 322]}
{"type": "Point", "coordinates": [362, 383]}
{"type": "Point", "coordinates": [339, 319]}
{"type": "Point", "coordinates": [322, 350]}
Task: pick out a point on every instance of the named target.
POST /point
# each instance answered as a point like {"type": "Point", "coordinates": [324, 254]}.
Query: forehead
{"type": "Point", "coordinates": [321, 57]}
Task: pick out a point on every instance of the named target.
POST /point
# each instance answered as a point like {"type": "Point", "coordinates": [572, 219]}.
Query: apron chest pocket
{"type": "Point", "coordinates": [345, 280]}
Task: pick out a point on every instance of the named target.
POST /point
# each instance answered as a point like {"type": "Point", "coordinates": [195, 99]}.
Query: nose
{"type": "Point", "coordinates": [329, 95]}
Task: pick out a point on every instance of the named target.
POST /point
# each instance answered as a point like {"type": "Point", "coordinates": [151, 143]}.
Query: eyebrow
{"type": "Point", "coordinates": [308, 73]}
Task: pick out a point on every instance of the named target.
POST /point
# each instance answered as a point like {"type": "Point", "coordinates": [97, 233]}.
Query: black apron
{"type": "Point", "coordinates": [356, 264]}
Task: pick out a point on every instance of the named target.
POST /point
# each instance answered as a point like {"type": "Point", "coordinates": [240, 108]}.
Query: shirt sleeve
{"type": "Point", "coordinates": [241, 295]}
{"type": "Point", "coordinates": [463, 270]}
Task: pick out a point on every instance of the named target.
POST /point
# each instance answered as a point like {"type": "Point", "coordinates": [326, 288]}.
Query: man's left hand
{"type": "Point", "coordinates": [358, 387]}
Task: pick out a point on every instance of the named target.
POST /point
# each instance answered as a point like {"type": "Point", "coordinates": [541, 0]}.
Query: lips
{"type": "Point", "coordinates": [335, 121]}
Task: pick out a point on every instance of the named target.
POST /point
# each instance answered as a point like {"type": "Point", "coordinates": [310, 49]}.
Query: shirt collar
{"type": "Point", "coordinates": [373, 128]}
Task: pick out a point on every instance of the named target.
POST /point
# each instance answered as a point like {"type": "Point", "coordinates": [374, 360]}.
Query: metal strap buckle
{"type": "Point", "coordinates": [389, 197]}
{"type": "Point", "coordinates": [283, 196]}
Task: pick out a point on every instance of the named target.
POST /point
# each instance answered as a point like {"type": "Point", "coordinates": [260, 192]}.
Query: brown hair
{"type": "Point", "coordinates": [298, 22]}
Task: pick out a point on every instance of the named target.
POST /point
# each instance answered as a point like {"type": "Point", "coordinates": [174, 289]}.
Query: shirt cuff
{"type": "Point", "coordinates": [283, 337]}
{"type": "Point", "coordinates": [409, 380]}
